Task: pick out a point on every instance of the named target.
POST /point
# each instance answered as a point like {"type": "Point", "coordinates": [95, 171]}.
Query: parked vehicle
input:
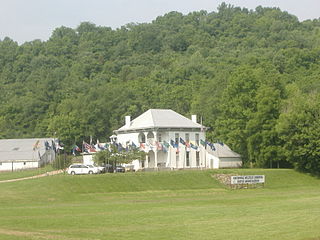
{"type": "Point", "coordinates": [120, 169]}
{"type": "Point", "coordinates": [129, 168]}
{"type": "Point", "coordinates": [97, 169]}
{"type": "Point", "coordinates": [82, 169]}
{"type": "Point", "coordinates": [108, 168]}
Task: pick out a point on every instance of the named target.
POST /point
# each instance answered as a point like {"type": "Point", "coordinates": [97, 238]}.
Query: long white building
{"type": "Point", "coordinates": [171, 141]}
{"type": "Point", "coordinates": [18, 154]}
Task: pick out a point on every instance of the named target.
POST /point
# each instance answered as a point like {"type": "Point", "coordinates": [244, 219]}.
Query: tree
{"type": "Point", "coordinates": [264, 144]}
{"type": "Point", "coordinates": [114, 156]}
{"type": "Point", "coordinates": [299, 128]}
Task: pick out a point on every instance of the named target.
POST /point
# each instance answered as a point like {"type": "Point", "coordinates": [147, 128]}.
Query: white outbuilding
{"type": "Point", "coordinates": [170, 140]}
{"type": "Point", "coordinates": [221, 156]}
{"type": "Point", "coordinates": [18, 154]}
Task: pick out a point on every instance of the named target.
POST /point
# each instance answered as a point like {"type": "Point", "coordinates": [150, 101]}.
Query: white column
{"type": "Point", "coordinates": [146, 164]}
{"type": "Point", "coordinates": [155, 150]}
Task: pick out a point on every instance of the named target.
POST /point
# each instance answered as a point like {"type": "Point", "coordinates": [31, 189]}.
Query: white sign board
{"type": "Point", "coordinates": [249, 179]}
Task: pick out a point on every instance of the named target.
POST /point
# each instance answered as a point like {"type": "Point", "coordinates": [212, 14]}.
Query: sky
{"type": "Point", "coordinates": [27, 20]}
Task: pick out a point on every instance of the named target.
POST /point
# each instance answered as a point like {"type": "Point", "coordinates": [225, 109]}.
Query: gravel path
{"type": "Point", "coordinates": [32, 177]}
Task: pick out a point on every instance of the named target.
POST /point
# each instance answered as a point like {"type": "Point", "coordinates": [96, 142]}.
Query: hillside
{"type": "Point", "coordinates": [253, 77]}
{"type": "Point", "coordinates": [160, 205]}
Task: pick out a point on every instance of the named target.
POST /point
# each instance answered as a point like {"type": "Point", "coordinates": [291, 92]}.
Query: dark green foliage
{"type": "Point", "coordinates": [299, 128]}
{"type": "Point", "coordinates": [231, 67]}
{"type": "Point", "coordinates": [115, 157]}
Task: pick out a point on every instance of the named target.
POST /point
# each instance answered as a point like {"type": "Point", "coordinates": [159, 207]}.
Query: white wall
{"type": "Point", "coordinates": [212, 161]}
{"type": "Point", "coordinates": [125, 137]}
{"type": "Point", "coordinates": [9, 166]}
{"type": "Point", "coordinates": [87, 159]}
{"type": "Point", "coordinates": [230, 162]}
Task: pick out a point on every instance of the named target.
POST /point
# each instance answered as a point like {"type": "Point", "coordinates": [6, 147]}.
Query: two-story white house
{"type": "Point", "coordinates": [170, 139]}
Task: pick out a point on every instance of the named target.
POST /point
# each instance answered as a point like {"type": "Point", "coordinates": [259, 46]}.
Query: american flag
{"type": "Point", "coordinates": [88, 147]}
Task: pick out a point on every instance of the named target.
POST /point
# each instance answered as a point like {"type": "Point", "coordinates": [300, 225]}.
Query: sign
{"type": "Point", "coordinates": [249, 179]}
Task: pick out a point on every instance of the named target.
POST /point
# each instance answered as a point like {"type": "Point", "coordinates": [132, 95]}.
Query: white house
{"type": "Point", "coordinates": [18, 154]}
{"type": "Point", "coordinates": [170, 139]}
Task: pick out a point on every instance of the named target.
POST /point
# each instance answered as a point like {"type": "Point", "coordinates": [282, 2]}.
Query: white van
{"type": "Point", "coordinates": [82, 169]}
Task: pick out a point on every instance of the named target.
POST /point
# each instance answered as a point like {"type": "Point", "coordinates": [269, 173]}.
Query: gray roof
{"type": "Point", "coordinates": [22, 149]}
{"type": "Point", "coordinates": [160, 118]}
{"type": "Point", "coordinates": [222, 151]}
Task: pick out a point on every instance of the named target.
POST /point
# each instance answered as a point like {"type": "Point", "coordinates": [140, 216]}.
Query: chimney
{"type": "Point", "coordinates": [194, 118]}
{"type": "Point", "coordinates": [128, 121]}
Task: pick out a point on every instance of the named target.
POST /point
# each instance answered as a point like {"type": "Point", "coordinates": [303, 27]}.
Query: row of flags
{"type": "Point", "coordinates": [55, 145]}
{"type": "Point", "coordinates": [160, 146]}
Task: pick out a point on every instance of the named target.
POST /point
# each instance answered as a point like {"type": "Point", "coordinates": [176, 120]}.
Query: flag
{"type": "Point", "coordinates": [142, 146]}
{"type": "Point", "coordinates": [133, 145]}
{"type": "Point", "coordinates": [53, 146]}
{"type": "Point", "coordinates": [77, 148]}
{"type": "Point", "coordinates": [101, 146]}
{"type": "Point", "coordinates": [195, 147]}
{"type": "Point", "coordinates": [159, 146]}
{"type": "Point", "coordinates": [60, 146]}
{"type": "Point", "coordinates": [88, 148]}
{"type": "Point", "coordinates": [203, 143]}
{"type": "Point", "coordinates": [182, 141]}
{"type": "Point", "coordinates": [120, 148]}
{"type": "Point", "coordinates": [166, 144]}
{"type": "Point", "coordinates": [173, 144]}
{"type": "Point", "coordinates": [74, 149]}
{"type": "Point", "coordinates": [46, 144]}
{"type": "Point", "coordinates": [211, 145]}
{"type": "Point", "coordinates": [36, 145]}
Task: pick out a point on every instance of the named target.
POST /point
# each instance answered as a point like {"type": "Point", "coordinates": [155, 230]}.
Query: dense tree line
{"type": "Point", "coordinates": [253, 76]}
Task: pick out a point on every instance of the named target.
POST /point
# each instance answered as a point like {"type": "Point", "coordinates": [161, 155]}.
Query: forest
{"type": "Point", "coordinates": [251, 75]}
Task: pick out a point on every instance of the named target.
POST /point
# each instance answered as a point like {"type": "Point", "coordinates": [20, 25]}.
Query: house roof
{"type": "Point", "coordinates": [160, 118]}
{"type": "Point", "coordinates": [22, 149]}
{"type": "Point", "coordinates": [222, 151]}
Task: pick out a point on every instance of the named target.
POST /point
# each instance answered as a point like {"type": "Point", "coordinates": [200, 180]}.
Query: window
{"type": "Point", "coordinates": [176, 138]}
{"type": "Point", "coordinates": [198, 158]}
{"type": "Point", "coordinates": [142, 164]}
{"type": "Point", "coordinates": [187, 137]}
{"type": "Point", "coordinates": [197, 139]}
{"type": "Point", "coordinates": [142, 138]}
{"type": "Point", "coordinates": [159, 137]}
{"type": "Point", "coordinates": [150, 138]}
{"type": "Point", "coordinates": [24, 163]}
{"type": "Point", "coordinates": [188, 159]}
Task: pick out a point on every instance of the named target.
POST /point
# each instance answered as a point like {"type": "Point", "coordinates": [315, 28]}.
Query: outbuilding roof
{"type": "Point", "coordinates": [29, 149]}
{"type": "Point", "coordinates": [160, 118]}
{"type": "Point", "coordinates": [221, 150]}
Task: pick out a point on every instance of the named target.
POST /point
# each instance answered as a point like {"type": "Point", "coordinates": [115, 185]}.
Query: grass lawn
{"type": "Point", "coordinates": [24, 173]}
{"type": "Point", "coordinates": [161, 205]}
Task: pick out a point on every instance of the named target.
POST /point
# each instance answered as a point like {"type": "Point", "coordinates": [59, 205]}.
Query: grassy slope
{"type": "Point", "coordinates": [24, 173]}
{"type": "Point", "coordinates": [160, 205]}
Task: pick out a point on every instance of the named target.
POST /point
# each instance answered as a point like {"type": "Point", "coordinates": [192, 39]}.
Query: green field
{"type": "Point", "coordinates": [161, 205]}
{"type": "Point", "coordinates": [24, 173]}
